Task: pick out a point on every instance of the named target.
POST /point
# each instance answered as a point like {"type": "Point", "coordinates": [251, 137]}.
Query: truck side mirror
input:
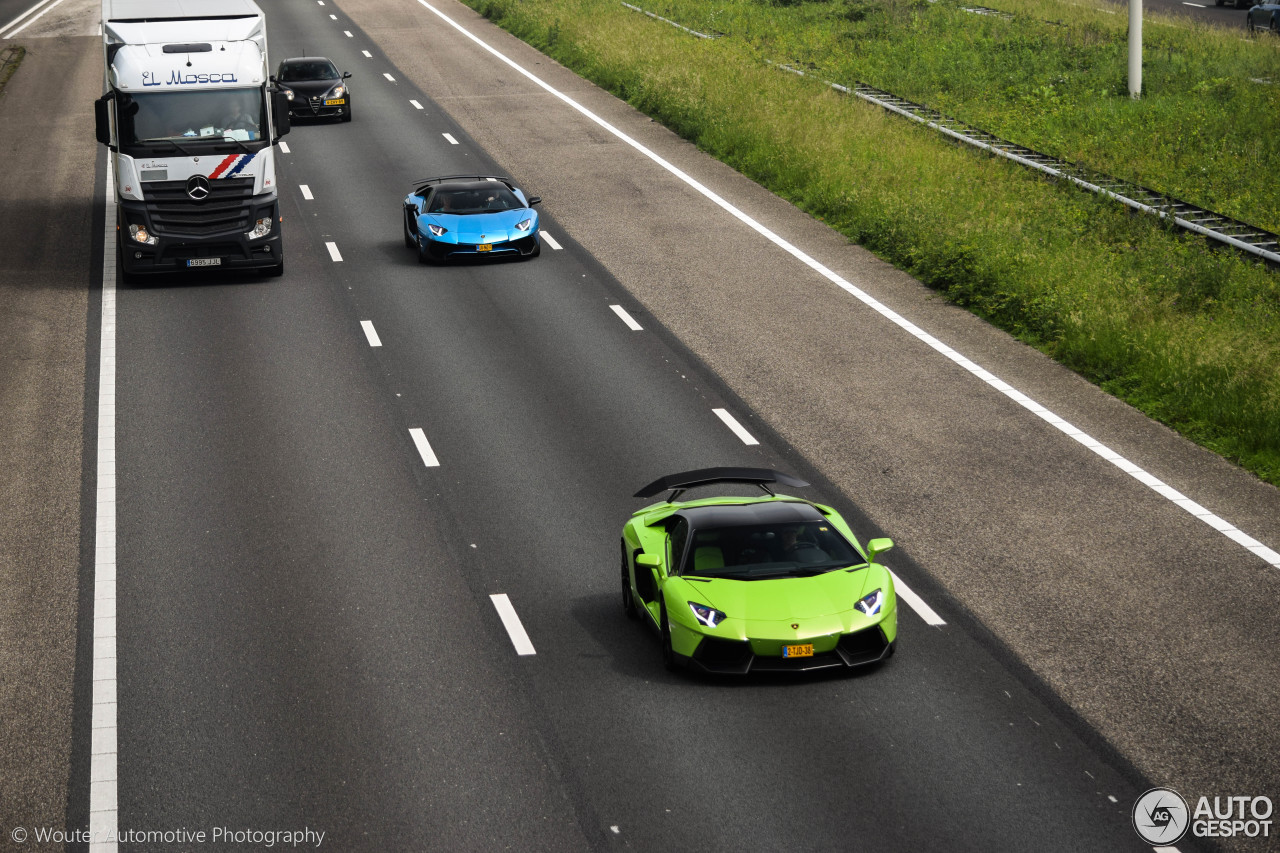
{"type": "Point", "coordinates": [279, 114]}
{"type": "Point", "coordinates": [102, 119]}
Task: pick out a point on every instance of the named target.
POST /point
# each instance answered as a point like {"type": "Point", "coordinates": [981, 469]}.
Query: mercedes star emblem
{"type": "Point", "coordinates": [198, 187]}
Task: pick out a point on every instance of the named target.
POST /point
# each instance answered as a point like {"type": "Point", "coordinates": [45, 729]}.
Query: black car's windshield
{"type": "Point", "coordinates": [757, 551]}
{"type": "Point", "coordinates": [307, 70]}
{"type": "Point", "coordinates": [487, 199]}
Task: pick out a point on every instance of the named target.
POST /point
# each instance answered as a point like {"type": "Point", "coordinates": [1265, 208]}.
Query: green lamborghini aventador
{"type": "Point", "coordinates": [748, 584]}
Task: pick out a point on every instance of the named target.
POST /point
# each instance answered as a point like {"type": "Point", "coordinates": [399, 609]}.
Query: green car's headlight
{"type": "Point", "coordinates": [871, 604]}
{"type": "Point", "coordinates": [708, 616]}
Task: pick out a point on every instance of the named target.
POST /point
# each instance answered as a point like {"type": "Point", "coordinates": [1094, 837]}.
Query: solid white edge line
{"type": "Point", "coordinates": [449, 136]}
{"type": "Point", "coordinates": [916, 603]}
{"type": "Point", "coordinates": [306, 192]}
{"type": "Point", "coordinates": [371, 333]}
{"type": "Point", "coordinates": [13, 33]}
{"type": "Point", "coordinates": [1248, 542]}
{"type": "Point", "coordinates": [103, 758]}
{"type": "Point", "coordinates": [15, 21]}
{"type": "Point", "coordinates": [416, 105]}
{"type": "Point", "coordinates": [627, 318]}
{"type": "Point", "coordinates": [551, 241]}
{"type": "Point", "coordinates": [510, 621]}
{"type": "Point", "coordinates": [284, 147]}
{"type": "Point", "coordinates": [424, 448]}
{"type": "Point", "coordinates": [333, 251]}
{"type": "Point", "coordinates": [732, 423]}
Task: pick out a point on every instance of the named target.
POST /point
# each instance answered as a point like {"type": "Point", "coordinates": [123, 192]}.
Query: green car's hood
{"type": "Point", "coordinates": [783, 599]}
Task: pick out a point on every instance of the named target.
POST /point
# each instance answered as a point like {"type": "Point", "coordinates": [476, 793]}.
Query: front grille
{"type": "Point", "coordinates": [176, 214]}
{"type": "Point", "coordinates": [863, 646]}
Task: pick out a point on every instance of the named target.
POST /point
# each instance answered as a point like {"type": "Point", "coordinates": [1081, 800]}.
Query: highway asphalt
{"type": "Point", "coordinates": [306, 631]}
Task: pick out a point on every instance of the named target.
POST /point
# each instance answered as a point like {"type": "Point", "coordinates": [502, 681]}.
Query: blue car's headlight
{"type": "Point", "coordinates": [525, 225]}
{"type": "Point", "coordinates": [438, 230]}
{"type": "Point", "coordinates": [871, 604]}
{"type": "Point", "coordinates": [708, 616]}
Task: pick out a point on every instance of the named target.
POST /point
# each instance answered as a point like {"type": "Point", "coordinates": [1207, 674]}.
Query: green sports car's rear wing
{"type": "Point", "coordinates": [678, 483]}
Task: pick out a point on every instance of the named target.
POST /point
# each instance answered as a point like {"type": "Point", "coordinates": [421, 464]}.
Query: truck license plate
{"type": "Point", "coordinates": [204, 262]}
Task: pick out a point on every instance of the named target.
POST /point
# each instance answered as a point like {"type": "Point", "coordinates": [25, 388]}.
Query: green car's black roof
{"type": "Point", "coordinates": [767, 511]}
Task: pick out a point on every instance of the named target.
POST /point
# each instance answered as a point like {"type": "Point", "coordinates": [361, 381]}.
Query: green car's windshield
{"type": "Point", "coordinates": [758, 551]}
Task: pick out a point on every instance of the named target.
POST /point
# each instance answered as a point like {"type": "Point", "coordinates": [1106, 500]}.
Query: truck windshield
{"type": "Point", "coordinates": [211, 115]}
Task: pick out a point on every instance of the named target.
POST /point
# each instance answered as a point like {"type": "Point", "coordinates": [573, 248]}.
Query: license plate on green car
{"type": "Point", "coordinates": [804, 650]}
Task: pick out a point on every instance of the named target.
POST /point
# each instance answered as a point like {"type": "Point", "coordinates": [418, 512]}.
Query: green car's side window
{"type": "Point", "coordinates": [679, 540]}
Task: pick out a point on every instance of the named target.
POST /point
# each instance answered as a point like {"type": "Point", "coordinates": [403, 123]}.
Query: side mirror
{"type": "Point", "coordinates": [346, 74]}
{"type": "Point", "coordinates": [649, 561]}
{"type": "Point", "coordinates": [279, 114]}
{"type": "Point", "coordinates": [102, 119]}
{"type": "Point", "coordinates": [535, 199]}
{"type": "Point", "coordinates": [876, 547]}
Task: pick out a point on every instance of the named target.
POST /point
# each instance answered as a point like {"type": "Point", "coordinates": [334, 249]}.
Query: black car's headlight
{"type": "Point", "coordinates": [288, 93]}
{"type": "Point", "coordinates": [524, 224]}
{"type": "Point", "coordinates": [438, 230]}
{"type": "Point", "coordinates": [337, 92]}
{"type": "Point", "coordinates": [871, 604]}
{"type": "Point", "coordinates": [708, 616]}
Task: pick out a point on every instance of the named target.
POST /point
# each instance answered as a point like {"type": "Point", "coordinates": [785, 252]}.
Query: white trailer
{"type": "Point", "coordinates": [191, 119]}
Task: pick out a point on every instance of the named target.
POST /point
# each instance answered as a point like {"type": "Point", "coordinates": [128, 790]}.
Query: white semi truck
{"type": "Point", "coordinates": [190, 118]}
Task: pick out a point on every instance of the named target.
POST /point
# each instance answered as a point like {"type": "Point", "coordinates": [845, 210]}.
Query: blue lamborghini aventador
{"type": "Point", "coordinates": [470, 216]}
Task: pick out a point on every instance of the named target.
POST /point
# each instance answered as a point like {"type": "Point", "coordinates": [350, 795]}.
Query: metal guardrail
{"type": "Point", "coordinates": [1240, 235]}
{"type": "Point", "coordinates": [673, 23]}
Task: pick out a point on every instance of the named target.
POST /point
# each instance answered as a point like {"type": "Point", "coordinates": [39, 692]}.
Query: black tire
{"type": "Point", "coordinates": [346, 116]}
{"type": "Point", "coordinates": [668, 653]}
{"type": "Point", "coordinates": [1275, 26]}
{"type": "Point", "coordinates": [277, 270]}
{"type": "Point", "coordinates": [423, 257]}
{"type": "Point", "coordinates": [628, 600]}
{"type": "Point", "coordinates": [1219, 2]}
{"type": "Point", "coordinates": [409, 242]}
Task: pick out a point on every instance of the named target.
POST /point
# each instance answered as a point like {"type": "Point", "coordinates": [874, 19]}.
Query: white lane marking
{"type": "Point", "coordinates": [510, 621]}
{"type": "Point", "coordinates": [347, 33]}
{"type": "Point", "coordinates": [1227, 529]}
{"type": "Point", "coordinates": [916, 603]}
{"type": "Point", "coordinates": [627, 318]}
{"type": "Point", "coordinates": [1112, 798]}
{"type": "Point", "coordinates": [306, 192]}
{"type": "Point", "coordinates": [424, 449]}
{"type": "Point", "coordinates": [452, 141]}
{"type": "Point", "coordinates": [732, 423]}
{"type": "Point", "coordinates": [551, 241]}
{"type": "Point", "coordinates": [321, 2]}
{"type": "Point", "coordinates": [333, 251]}
{"type": "Point", "coordinates": [388, 76]}
{"type": "Point", "coordinates": [333, 17]}
{"type": "Point", "coordinates": [1197, 5]}
{"type": "Point", "coordinates": [371, 333]}
{"type": "Point", "coordinates": [20, 17]}
{"type": "Point", "coordinates": [103, 757]}
{"type": "Point", "coordinates": [284, 147]}
{"type": "Point", "coordinates": [1165, 849]}
{"type": "Point", "coordinates": [416, 105]}
{"type": "Point", "coordinates": [12, 33]}
{"type": "Point", "coordinates": [367, 54]}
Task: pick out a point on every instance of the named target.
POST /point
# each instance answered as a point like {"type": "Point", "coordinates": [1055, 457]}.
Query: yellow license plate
{"type": "Point", "coordinates": [335, 102]}
{"type": "Point", "coordinates": [802, 651]}
{"type": "Point", "coordinates": [484, 247]}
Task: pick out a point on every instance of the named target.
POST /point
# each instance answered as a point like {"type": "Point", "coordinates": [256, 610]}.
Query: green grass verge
{"type": "Point", "coordinates": [1186, 332]}
{"type": "Point", "coordinates": [10, 58]}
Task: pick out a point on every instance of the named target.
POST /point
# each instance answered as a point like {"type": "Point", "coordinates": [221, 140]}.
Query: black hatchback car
{"type": "Point", "coordinates": [315, 87]}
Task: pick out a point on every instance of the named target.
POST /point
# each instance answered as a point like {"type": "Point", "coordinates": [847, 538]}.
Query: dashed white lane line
{"type": "Point", "coordinates": [449, 136]}
{"type": "Point", "coordinates": [103, 757]}
{"type": "Point", "coordinates": [551, 241]}
{"type": "Point", "coordinates": [333, 251]}
{"type": "Point", "coordinates": [371, 333]}
{"type": "Point", "coordinates": [367, 54]}
{"type": "Point", "coordinates": [416, 105]}
{"type": "Point", "coordinates": [732, 423]}
{"type": "Point", "coordinates": [284, 147]}
{"type": "Point", "coordinates": [306, 192]}
{"type": "Point", "coordinates": [388, 76]}
{"type": "Point", "coordinates": [333, 17]}
{"type": "Point", "coordinates": [1230, 531]}
{"type": "Point", "coordinates": [348, 34]}
{"type": "Point", "coordinates": [916, 603]}
{"type": "Point", "coordinates": [424, 448]}
{"type": "Point", "coordinates": [510, 621]}
{"type": "Point", "coordinates": [627, 318]}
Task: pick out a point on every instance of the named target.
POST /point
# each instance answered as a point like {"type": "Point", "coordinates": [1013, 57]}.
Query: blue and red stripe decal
{"type": "Point", "coordinates": [231, 166]}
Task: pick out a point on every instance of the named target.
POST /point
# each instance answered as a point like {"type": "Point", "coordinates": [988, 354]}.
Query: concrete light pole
{"type": "Point", "coordinates": [1135, 49]}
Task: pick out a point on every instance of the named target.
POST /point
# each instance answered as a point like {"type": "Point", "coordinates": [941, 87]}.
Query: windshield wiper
{"type": "Point", "coordinates": [164, 142]}
{"type": "Point", "coordinates": [243, 147]}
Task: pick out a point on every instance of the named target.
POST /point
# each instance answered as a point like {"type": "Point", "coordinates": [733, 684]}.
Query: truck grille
{"type": "Point", "coordinates": [174, 213]}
